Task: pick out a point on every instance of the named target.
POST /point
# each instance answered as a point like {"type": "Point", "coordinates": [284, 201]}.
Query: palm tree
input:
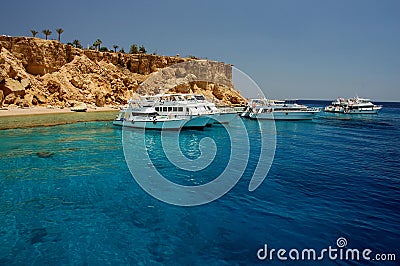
{"type": "Point", "coordinates": [77, 44]}
{"type": "Point", "coordinates": [97, 44]}
{"type": "Point", "coordinates": [115, 47]}
{"type": "Point", "coordinates": [34, 33]}
{"type": "Point", "coordinates": [47, 33]}
{"type": "Point", "coordinates": [59, 31]}
{"type": "Point", "coordinates": [142, 49]}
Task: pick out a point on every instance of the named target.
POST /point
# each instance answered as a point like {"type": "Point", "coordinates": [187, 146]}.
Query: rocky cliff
{"type": "Point", "coordinates": [46, 72]}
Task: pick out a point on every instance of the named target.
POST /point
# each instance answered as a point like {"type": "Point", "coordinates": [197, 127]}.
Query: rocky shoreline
{"type": "Point", "coordinates": [36, 72]}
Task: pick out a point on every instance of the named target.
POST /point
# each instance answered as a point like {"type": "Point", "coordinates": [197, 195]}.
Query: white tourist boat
{"type": "Point", "coordinates": [354, 105]}
{"type": "Point", "coordinates": [253, 105]}
{"type": "Point", "coordinates": [194, 109]}
{"type": "Point", "coordinates": [279, 110]}
{"type": "Point", "coordinates": [217, 115]}
{"type": "Point", "coordinates": [138, 116]}
{"type": "Point", "coordinates": [182, 106]}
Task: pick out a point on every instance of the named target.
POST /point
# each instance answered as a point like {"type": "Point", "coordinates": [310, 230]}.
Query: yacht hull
{"type": "Point", "coordinates": [359, 111]}
{"type": "Point", "coordinates": [170, 124]}
{"type": "Point", "coordinates": [221, 118]}
{"type": "Point", "coordinates": [291, 115]}
{"type": "Point", "coordinates": [225, 118]}
{"type": "Point", "coordinates": [197, 121]}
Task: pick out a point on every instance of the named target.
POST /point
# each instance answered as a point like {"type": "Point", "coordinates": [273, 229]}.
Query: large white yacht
{"type": "Point", "coordinates": [354, 105]}
{"type": "Point", "coordinates": [136, 115]}
{"type": "Point", "coordinates": [178, 105]}
{"type": "Point", "coordinates": [279, 110]}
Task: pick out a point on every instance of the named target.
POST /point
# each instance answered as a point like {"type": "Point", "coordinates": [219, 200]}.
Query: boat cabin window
{"type": "Point", "coordinates": [199, 97]}
{"type": "Point", "coordinates": [169, 109]}
{"type": "Point", "coordinates": [290, 102]}
{"type": "Point", "coordinates": [142, 114]}
{"type": "Point", "coordinates": [175, 109]}
{"type": "Point", "coordinates": [180, 109]}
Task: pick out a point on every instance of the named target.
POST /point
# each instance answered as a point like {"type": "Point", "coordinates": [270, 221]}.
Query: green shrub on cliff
{"type": "Point", "coordinates": [77, 44]}
{"type": "Point", "coordinates": [134, 49]}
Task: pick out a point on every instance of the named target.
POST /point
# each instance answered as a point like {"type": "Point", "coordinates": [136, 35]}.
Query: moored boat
{"type": "Point", "coordinates": [222, 115]}
{"type": "Point", "coordinates": [279, 110]}
{"type": "Point", "coordinates": [180, 106]}
{"type": "Point", "coordinates": [253, 105]}
{"type": "Point", "coordinates": [138, 116]}
{"type": "Point", "coordinates": [354, 105]}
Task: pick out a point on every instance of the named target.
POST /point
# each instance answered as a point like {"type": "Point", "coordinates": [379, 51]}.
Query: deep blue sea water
{"type": "Point", "coordinates": [68, 197]}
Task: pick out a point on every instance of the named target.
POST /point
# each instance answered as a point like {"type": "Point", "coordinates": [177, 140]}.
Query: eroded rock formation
{"type": "Point", "coordinates": [46, 72]}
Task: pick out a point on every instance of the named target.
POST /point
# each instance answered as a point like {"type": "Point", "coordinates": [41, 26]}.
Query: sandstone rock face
{"type": "Point", "coordinates": [25, 83]}
{"type": "Point", "coordinates": [46, 72]}
{"type": "Point", "coordinates": [100, 99]}
{"type": "Point", "coordinates": [10, 66]}
{"type": "Point", "coordinates": [196, 71]}
{"type": "Point", "coordinates": [10, 99]}
{"type": "Point", "coordinates": [12, 86]}
{"type": "Point", "coordinates": [37, 56]}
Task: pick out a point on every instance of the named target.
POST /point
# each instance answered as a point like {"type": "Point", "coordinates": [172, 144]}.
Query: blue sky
{"type": "Point", "coordinates": [292, 49]}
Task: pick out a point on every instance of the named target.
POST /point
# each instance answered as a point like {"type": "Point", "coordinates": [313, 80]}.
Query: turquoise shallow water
{"type": "Point", "coordinates": [67, 196]}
